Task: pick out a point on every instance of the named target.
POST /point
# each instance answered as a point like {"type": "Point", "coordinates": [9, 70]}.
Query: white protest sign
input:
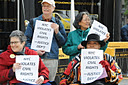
{"type": "Point", "coordinates": [29, 68]}
{"type": "Point", "coordinates": [42, 37]}
{"type": "Point", "coordinates": [91, 70]}
{"type": "Point", "coordinates": [98, 28]}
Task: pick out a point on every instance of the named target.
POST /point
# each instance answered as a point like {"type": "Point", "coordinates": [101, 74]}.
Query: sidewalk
{"type": "Point", "coordinates": [124, 81]}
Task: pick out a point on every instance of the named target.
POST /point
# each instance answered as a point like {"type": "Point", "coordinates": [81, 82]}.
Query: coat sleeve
{"type": "Point", "coordinates": [69, 48]}
{"type": "Point", "coordinates": [4, 71]}
{"type": "Point", "coordinates": [61, 36]}
{"type": "Point", "coordinates": [114, 74]}
{"type": "Point", "coordinates": [68, 73]}
{"type": "Point", "coordinates": [43, 70]}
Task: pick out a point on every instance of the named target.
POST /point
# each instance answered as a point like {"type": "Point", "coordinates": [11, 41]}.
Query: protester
{"type": "Point", "coordinates": [73, 72]}
{"type": "Point", "coordinates": [8, 65]}
{"type": "Point", "coordinates": [73, 45]}
{"type": "Point", "coordinates": [50, 59]}
{"type": "Point", "coordinates": [124, 32]}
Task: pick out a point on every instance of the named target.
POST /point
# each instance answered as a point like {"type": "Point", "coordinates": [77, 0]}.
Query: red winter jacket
{"type": "Point", "coordinates": [6, 63]}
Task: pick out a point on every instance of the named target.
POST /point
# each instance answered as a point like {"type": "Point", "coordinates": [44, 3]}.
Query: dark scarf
{"type": "Point", "coordinates": [20, 53]}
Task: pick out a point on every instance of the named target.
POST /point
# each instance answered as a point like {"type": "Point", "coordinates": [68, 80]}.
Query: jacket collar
{"type": "Point", "coordinates": [41, 18]}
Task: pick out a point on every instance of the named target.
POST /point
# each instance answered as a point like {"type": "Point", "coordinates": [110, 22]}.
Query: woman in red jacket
{"type": "Point", "coordinates": [8, 65]}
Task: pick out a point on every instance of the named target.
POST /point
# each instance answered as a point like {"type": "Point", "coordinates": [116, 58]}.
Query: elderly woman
{"type": "Point", "coordinates": [73, 45]}
{"type": "Point", "coordinates": [8, 65]}
{"type": "Point", "coordinates": [72, 75]}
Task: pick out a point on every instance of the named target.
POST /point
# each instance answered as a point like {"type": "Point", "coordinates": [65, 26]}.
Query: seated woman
{"type": "Point", "coordinates": [8, 65]}
{"type": "Point", "coordinates": [71, 74]}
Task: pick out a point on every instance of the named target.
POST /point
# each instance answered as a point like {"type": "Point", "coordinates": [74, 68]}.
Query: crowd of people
{"type": "Point", "coordinates": [20, 44]}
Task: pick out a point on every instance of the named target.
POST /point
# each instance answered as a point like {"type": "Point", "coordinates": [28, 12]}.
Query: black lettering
{"type": "Point", "coordinates": [28, 63]}
{"type": "Point", "coordinates": [92, 73]}
{"type": "Point", "coordinates": [100, 27]}
{"type": "Point", "coordinates": [40, 46]}
{"type": "Point", "coordinates": [42, 42]}
{"type": "Point", "coordinates": [44, 24]}
{"type": "Point", "coordinates": [26, 58]}
{"type": "Point", "coordinates": [45, 29]}
{"type": "Point", "coordinates": [32, 80]}
{"type": "Point", "coordinates": [44, 33]}
{"type": "Point", "coordinates": [26, 69]}
{"type": "Point", "coordinates": [91, 67]}
{"type": "Point", "coordinates": [91, 52]}
{"type": "Point", "coordinates": [42, 37]}
{"type": "Point", "coordinates": [90, 78]}
{"type": "Point", "coordinates": [91, 62]}
{"type": "Point", "coordinates": [99, 31]}
{"type": "Point", "coordinates": [26, 74]}
{"type": "Point", "coordinates": [91, 57]}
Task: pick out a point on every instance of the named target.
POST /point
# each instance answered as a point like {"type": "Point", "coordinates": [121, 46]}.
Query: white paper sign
{"type": "Point", "coordinates": [42, 37]}
{"type": "Point", "coordinates": [29, 68]}
{"type": "Point", "coordinates": [91, 70]}
{"type": "Point", "coordinates": [98, 28]}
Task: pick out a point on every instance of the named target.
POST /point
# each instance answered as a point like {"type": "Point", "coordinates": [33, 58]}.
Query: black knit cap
{"type": "Point", "coordinates": [93, 37]}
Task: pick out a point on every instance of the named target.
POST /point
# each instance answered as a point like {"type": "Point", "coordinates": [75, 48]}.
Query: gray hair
{"type": "Point", "coordinates": [78, 19]}
{"type": "Point", "coordinates": [19, 34]}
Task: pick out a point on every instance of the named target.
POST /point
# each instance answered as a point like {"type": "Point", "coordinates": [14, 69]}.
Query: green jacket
{"type": "Point", "coordinates": [73, 40]}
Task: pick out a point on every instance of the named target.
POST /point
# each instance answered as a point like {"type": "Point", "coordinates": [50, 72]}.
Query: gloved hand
{"type": "Point", "coordinates": [63, 82]}
{"type": "Point", "coordinates": [105, 64]}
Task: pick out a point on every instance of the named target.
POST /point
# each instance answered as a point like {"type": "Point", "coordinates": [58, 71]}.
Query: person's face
{"type": "Point", "coordinates": [16, 44]}
{"type": "Point", "coordinates": [47, 9]}
{"type": "Point", "coordinates": [93, 45]}
{"type": "Point", "coordinates": [85, 22]}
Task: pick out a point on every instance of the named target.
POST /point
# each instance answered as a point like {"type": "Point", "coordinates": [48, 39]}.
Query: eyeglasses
{"type": "Point", "coordinates": [15, 42]}
{"type": "Point", "coordinates": [87, 19]}
{"type": "Point", "coordinates": [48, 6]}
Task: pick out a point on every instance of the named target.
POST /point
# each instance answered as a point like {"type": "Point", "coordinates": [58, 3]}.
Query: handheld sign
{"type": "Point", "coordinates": [98, 28]}
{"type": "Point", "coordinates": [29, 68]}
{"type": "Point", "coordinates": [91, 70]}
{"type": "Point", "coordinates": [42, 37]}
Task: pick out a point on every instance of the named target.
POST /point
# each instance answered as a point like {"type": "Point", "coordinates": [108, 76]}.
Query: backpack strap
{"type": "Point", "coordinates": [31, 24]}
{"type": "Point", "coordinates": [58, 22]}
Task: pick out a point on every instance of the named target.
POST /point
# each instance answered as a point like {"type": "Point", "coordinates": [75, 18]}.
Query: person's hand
{"type": "Point", "coordinates": [107, 37]}
{"type": "Point", "coordinates": [80, 46]}
{"type": "Point", "coordinates": [40, 52]}
{"type": "Point", "coordinates": [16, 66]}
{"type": "Point", "coordinates": [40, 80]}
{"type": "Point", "coordinates": [105, 64]}
{"type": "Point", "coordinates": [55, 27]}
{"type": "Point", "coordinates": [63, 82]}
